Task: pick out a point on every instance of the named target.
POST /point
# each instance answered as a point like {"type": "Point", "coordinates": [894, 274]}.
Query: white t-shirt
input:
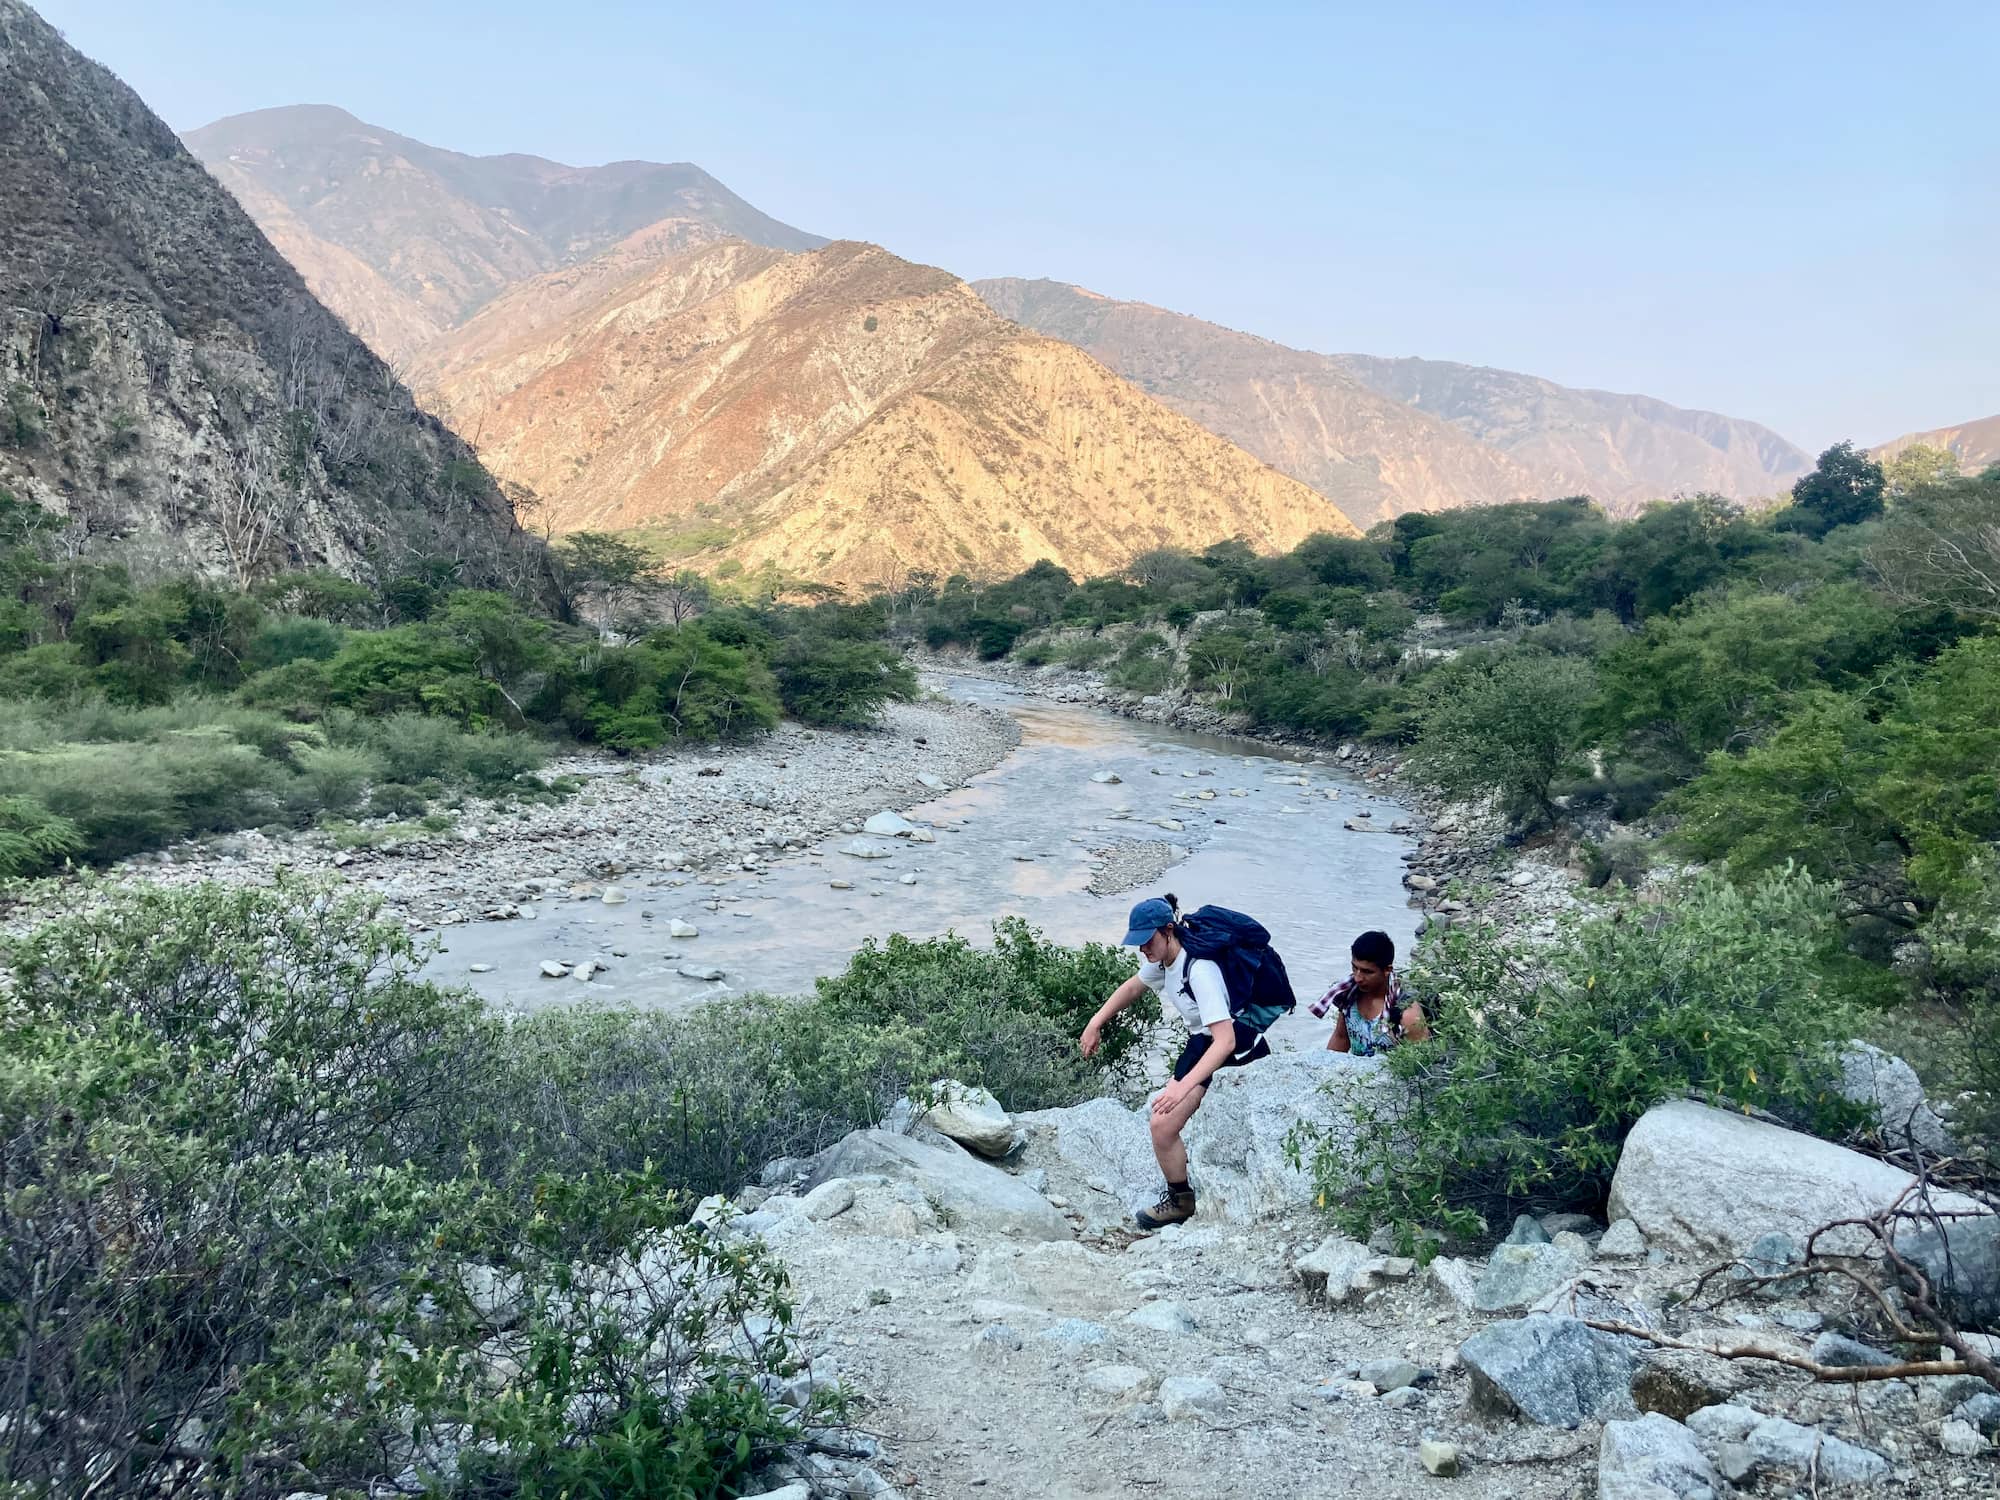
{"type": "Point", "coordinates": [1210, 1002]}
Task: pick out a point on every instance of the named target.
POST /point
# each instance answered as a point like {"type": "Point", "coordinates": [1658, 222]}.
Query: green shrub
{"type": "Point", "coordinates": [252, 1207]}
{"type": "Point", "coordinates": [336, 774]}
{"type": "Point", "coordinates": [54, 671]}
{"type": "Point", "coordinates": [283, 639]}
{"type": "Point", "coordinates": [33, 839]}
{"type": "Point", "coordinates": [1545, 1056]}
{"type": "Point", "coordinates": [1506, 724]}
{"type": "Point", "coordinates": [842, 683]}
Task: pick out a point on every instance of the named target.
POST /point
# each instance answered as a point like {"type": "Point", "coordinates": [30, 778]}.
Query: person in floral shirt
{"type": "Point", "coordinates": [1372, 1014]}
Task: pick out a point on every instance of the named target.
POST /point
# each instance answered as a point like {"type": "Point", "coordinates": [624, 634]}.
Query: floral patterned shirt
{"type": "Point", "coordinates": [1366, 1038]}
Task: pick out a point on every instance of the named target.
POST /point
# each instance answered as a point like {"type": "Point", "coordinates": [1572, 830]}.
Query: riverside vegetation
{"type": "Point", "coordinates": [371, 1223]}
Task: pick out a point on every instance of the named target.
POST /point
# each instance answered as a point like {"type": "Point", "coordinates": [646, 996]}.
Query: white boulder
{"type": "Point", "coordinates": [972, 1117]}
{"type": "Point", "coordinates": [1703, 1182]}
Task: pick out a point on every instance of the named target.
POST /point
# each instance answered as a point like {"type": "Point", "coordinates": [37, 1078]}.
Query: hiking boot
{"type": "Point", "coordinates": [1176, 1206]}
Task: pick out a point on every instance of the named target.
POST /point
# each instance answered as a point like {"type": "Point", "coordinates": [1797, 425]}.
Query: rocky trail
{"type": "Point", "coordinates": [1008, 1334]}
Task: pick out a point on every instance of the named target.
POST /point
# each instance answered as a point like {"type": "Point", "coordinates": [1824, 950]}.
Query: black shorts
{"type": "Point", "coordinates": [1198, 1045]}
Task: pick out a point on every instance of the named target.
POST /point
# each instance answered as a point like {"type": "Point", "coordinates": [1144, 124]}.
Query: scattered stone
{"type": "Point", "coordinates": [1164, 1317]}
{"type": "Point", "coordinates": [553, 968]}
{"type": "Point", "coordinates": [888, 825]}
{"type": "Point", "coordinates": [1680, 1382]}
{"type": "Point", "coordinates": [1330, 1270]}
{"type": "Point", "coordinates": [1550, 1370]}
{"type": "Point", "coordinates": [1439, 1458]}
{"type": "Point", "coordinates": [1771, 1254]}
{"type": "Point", "coordinates": [706, 972]}
{"type": "Point", "coordinates": [1389, 1374]}
{"type": "Point", "coordinates": [907, 880]}
{"type": "Point", "coordinates": [1649, 1458]}
{"type": "Point", "coordinates": [1108, 778]}
{"type": "Point", "coordinates": [1121, 1382]}
{"type": "Point", "coordinates": [680, 927]}
{"type": "Point", "coordinates": [1961, 1439]}
{"type": "Point", "coordinates": [1527, 1230]}
{"type": "Point", "coordinates": [1873, 1077]}
{"type": "Point", "coordinates": [1838, 1349]}
{"type": "Point", "coordinates": [840, 885]}
{"type": "Point", "coordinates": [1403, 1398]}
{"type": "Point", "coordinates": [614, 896]}
{"type": "Point", "coordinates": [1622, 1241]}
{"type": "Point", "coordinates": [584, 971]}
{"type": "Point", "coordinates": [1518, 1276]}
{"type": "Point", "coordinates": [828, 1201]}
{"type": "Point", "coordinates": [973, 1118]}
{"type": "Point", "coordinates": [1192, 1398]}
{"type": "Point", "coordinates": [863, 849]}
{"type": "Point", "coordinates": [994, 1338]}
{"type": "Point", "coordinates": [479, 968]}
{"type": "Point", "coordinates": [932, 783]}
{"type": "Point", "coordinates": [1458, 1281]}
{"type": "Point", "coordinates": [1729, 1422]}
{"type": "Point", "coordinates": [970, 1194]}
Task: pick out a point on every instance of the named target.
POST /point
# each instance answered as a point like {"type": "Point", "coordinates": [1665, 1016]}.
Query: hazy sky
{"type": "Point", "coordinates": [1785, 212]}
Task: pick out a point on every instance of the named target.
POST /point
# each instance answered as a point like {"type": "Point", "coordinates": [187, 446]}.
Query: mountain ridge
{"type": "Point", "coordinates": [1976, 444]}
{"type": "Point", "coordinates": [848, 415]}
{"type": "Point", "coordinates": [1296, 410]}
{"type": "Point", "coordinates": [442, 231]}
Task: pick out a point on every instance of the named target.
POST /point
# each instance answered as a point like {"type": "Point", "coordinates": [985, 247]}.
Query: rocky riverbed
{"type": "Point", "coordinates": [687, 809]}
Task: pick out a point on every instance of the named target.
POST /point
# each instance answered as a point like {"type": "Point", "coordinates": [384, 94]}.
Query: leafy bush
{"type": "Point", "coordinates": [249, 1212]}
{"type": "Point", "coordinates": [1545, 1056]}
{"type": "Point", "coordinates": [33, 839]}
{"type": "Point", "coordinates": [336, 774]}
{"type": "Point", "coordinates": [842, 683]}
{"type": "Point", "coordinates": [1508, 725]}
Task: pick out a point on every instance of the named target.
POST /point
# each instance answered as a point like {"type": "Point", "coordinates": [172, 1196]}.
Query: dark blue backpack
{"type": "Point", "coordinates": [1259, 988]}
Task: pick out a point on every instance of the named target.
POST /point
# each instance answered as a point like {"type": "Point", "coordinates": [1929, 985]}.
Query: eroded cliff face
{"type": "Point", "coordinates": [168, 384]}
{"type": "Point", "coordinates": [845, 415]}
{"type": "Point", "coordinates": [1976, 445]}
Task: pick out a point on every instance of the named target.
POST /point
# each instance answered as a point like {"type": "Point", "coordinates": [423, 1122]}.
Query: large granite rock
{"type": "Point", "coordinates": [1550, 1370]}
{"type": "Point", "coordinates": [1703, 1182]}
{"type": "Point", "coordinates": [1236, 1144]}
{"type": "Point", "coordinates": [1519, 1274]}
{"type": "Point", "coordinates": [1868, 1075]}
{"type": "Point", "coordinates": [967, 1192]}
{"type": "Point", "coordinates": [1653, 1458]}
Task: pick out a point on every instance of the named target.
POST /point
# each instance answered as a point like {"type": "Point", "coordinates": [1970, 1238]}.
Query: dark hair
{"type": "Point", "coordinates": [1174, 903]}
{"type": "Point", "coordinates": [1376, 948]}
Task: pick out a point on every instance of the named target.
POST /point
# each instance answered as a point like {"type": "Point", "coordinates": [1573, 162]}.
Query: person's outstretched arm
{"type": "Point", "coordinates": [1124, 995]}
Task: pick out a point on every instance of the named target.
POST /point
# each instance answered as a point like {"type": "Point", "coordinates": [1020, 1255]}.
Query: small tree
{"type": "Point", "coordinates": [1844, 489]}
{"type": "Point", "coordinates": [1508, 725]}
{"type": "Point", "coordinates": [595, 563]}
{"type": "Point", "coordinates": [1921, 466]}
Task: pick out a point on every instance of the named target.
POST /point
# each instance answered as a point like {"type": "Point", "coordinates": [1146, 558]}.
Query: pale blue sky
{"type": "Point", "coordinates": [1785, 212]}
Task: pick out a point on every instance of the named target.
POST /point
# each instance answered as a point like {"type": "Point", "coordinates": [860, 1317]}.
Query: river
{"type": "Point", "coordinates": [1015, 840]}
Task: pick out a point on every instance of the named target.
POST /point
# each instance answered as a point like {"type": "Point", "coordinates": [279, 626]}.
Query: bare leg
{"type": "Point", "coordinates": [1167, 1145]}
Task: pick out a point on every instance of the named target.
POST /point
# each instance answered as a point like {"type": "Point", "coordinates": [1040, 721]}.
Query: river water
{"type": "Point", "coordinates": [1016, 840]}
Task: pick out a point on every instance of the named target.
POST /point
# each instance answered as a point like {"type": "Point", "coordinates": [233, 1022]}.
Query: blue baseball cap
{"type": "Point", "coordinates": [1147, 918]}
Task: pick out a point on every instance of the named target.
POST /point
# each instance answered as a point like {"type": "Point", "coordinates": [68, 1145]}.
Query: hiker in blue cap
{"type": "Point", "coordinates": [1197, 990]}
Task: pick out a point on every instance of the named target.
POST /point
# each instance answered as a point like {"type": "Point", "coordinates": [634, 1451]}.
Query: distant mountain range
{"type": "Point", "coordinates": [1381, 436]}
{"type": "Point", "coordinates": [172, 389]}
{"type": "Point", "coordinates": [407, 241]}
{"type": "Point", "coordinates": [597, 333]}
{"type": "Point", "coordinates": [1976, 444]}
{"type": "Point", "coordinates": [842, 414]}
